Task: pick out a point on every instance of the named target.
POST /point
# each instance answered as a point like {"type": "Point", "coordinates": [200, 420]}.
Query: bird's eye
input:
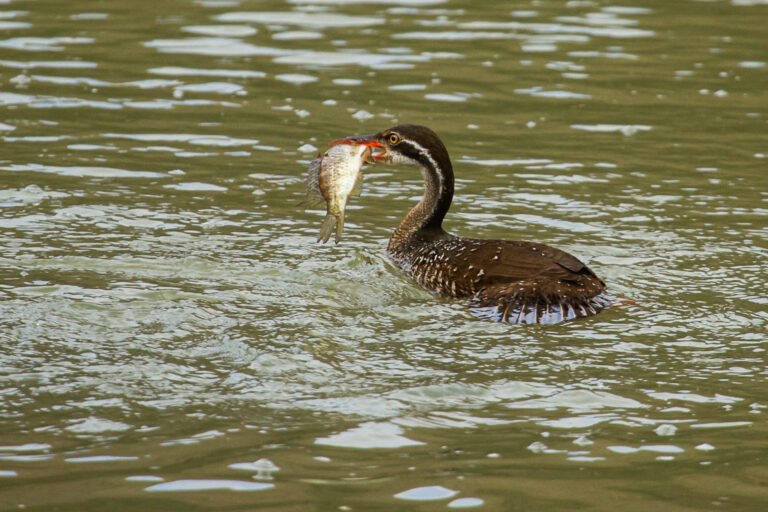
{"type": "Point", "coordinates": [394, 138]}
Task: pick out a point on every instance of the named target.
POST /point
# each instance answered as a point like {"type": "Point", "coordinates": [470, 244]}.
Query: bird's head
{"type": "Point", "coordinates": [405, 144]}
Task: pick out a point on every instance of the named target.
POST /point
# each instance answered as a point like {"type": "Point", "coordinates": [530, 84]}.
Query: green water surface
{"type": "Point", "coordinates": [172, 337]}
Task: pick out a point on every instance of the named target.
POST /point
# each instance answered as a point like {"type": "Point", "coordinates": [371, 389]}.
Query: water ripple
{"type": "Point", "coordinates": [167, 315]}
{"type": "Point", "coordinates": [82, 171]}
{"type": "Point", "coordinates": [317, 20]}
{"type": "Point", "coordinates": [43, 44]}
{"type": "Point", "coordinates": [214, 46]}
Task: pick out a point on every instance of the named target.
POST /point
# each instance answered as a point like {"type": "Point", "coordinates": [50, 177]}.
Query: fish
{"type": "Point", "coordinates": [333, 177]}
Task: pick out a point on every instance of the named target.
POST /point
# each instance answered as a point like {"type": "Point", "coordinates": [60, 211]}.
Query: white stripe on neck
{"type": "Point", "coordinates": [438, 170]}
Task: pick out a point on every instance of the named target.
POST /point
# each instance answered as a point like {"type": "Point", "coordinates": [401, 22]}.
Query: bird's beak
{"type": "Point", "coordinates": [372, 141]}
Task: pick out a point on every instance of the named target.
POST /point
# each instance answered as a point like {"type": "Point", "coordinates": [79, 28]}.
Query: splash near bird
{"type": "Point", "coordinates": [502, 280]}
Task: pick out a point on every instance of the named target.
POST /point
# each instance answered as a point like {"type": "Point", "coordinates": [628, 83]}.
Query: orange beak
{"type": "Point", "coordinates": [372, 141]}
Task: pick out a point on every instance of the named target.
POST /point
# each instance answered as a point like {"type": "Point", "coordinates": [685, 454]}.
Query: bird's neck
{"type": "Point", "coordinates": [425, 220]}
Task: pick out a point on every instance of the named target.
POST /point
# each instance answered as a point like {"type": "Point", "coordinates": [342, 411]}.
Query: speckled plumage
{"type": "Point", "coordinates": [502, 280]}
{"type": "Point", "coordinates": [517, 282]}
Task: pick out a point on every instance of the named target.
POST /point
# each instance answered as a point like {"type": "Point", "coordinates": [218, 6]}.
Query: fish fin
{"type": "Point", "coordinates": [325, 230]}
{"type": "Point", "coordinates": [310, 201]}
{"type": "Point", "coordinates": [339, 226]}
{"type": "Point", "coordinates": [357, 188]}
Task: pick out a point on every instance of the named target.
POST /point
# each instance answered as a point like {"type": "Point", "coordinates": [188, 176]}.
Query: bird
{"type": "Point", "coordinates": [512, 281]}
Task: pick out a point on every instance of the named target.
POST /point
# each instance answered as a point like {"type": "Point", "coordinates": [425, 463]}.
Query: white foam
{"type": "Point", "coordinates": [428, 493]}
{"type": "Point", "coordinates": [221, 30]}
{"type": "Point", "coordinates": [317, 20]}
{"type": "Point", "coordinates": [296, 78]}
{"type": "Point", "coordinates": [228, 73]}
{"type": "Point", "coordinates": [370, 435]}
{"type": "Point", "coordinates": [196, 186]}
{"type": "Point", "coordinates": [82, 172]}
{"type": "Point", "coordinates": [208, 485]}
{"type": "Point", "coordinates": [99, 458]}
{"type": "Point", "coordinates": [95, 425]}
{"type": "Point", "coordinates": [466, 503]}
{"type": "Point", "coordinates": [624, 129]}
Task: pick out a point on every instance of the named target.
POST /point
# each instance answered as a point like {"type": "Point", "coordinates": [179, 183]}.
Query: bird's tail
{"type": "Point", "coordinates": [517, 310]}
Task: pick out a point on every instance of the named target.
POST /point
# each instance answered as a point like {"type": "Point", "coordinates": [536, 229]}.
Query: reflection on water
{"type": "Point", "coordinates": [171, 331]}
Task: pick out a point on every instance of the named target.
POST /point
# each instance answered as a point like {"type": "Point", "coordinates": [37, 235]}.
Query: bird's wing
{"type": "Point", "coordinates": [504, 261]}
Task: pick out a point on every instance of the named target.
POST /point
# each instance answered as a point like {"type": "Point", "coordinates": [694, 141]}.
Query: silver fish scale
{"type": "Point", "coordinates": [338, 159]}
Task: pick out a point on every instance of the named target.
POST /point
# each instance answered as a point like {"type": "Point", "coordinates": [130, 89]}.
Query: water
{"type": "Point", "coordinates": [172, 337]}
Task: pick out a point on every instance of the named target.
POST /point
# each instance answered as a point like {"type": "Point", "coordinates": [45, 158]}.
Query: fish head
{"type": "Point", "coordinates": [350, 152]}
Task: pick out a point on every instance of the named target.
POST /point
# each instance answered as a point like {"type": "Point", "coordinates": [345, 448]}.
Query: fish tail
{"type": "Point", "coordinates": [339, 226]}
{"type": "Point", "coordinates": [327, 228]}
